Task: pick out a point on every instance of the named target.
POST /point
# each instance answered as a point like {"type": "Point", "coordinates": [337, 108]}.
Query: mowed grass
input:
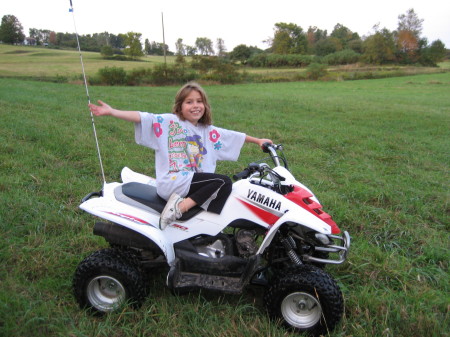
{"type": "Point", "coordinates": [26, 61]}
{"type": "Point", "coordinates": [375, 152]}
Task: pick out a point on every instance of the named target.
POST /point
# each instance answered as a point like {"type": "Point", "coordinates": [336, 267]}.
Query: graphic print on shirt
{"type": "Point", "coordinates": [185, 152]}
{"type": "Point", "coordinates": [214, 137]}
{"type": "Point", "coordinates": [157, 128]}
{"type": "Point", "coordinates": [195, 151]}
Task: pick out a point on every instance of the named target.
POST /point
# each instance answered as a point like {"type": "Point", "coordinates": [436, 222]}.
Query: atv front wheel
{"type": "Point", "coordinates": [306, 299]}
{"type": "Point", "coordinates": [107, 279]}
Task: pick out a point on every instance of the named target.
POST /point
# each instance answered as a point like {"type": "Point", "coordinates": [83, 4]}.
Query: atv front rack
{"type": "Point", "coordinates": [341, 250]}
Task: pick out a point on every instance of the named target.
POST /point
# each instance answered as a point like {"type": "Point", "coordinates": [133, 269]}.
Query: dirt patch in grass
{"type": "Point", "coordinates": [18, 52]}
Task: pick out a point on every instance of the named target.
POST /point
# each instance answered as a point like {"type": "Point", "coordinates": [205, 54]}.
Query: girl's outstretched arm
{"type": "Point", "coordinates": [104, 109]}
{"type": "Point", "coordinates": [259, 141]}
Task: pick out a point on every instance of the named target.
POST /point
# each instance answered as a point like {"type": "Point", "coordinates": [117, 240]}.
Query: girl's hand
{"type": "Point", "coordinates": [261, 141]}
{"type": "Point", "coordinates": [102, 109]}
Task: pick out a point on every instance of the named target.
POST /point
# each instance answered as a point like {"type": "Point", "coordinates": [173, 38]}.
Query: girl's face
{"type": "Point", "coordinates": [193, 108]}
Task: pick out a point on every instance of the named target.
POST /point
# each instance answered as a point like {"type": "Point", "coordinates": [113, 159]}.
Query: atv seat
{"type": "Point", "coordinates": [144, 194]}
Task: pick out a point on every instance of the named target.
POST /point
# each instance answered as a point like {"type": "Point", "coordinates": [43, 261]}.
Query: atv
{"type": "Point", "coordinates": [272, 233]}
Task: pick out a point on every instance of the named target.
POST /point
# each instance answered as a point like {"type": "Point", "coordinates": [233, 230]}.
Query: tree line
{"type": "Point", "coordinates": [290, 45]}
{"type": "Point", "coordinates": [406, 45]}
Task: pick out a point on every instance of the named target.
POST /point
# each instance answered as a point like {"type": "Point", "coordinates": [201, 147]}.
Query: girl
{"type": "Point", "coordinates": [187, 147]}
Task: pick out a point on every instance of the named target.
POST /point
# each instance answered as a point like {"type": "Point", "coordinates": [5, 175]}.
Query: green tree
{"type": "Point", "coordinates": [180, 48]}
{"type": "Point", "coordinates": [204, 46]}
{"type": "Point", "coordinates": [315, 71]}
{"type": "Point", "coordinates": [101, 39]}
{"type": "Point", "coordinates": [240, 53]}
{"type": "Point", "coordinates": [289, 39]}
{"type": "Point", "coordinates": [221, 49]}
{"type": "Point", "coordinates": [327, 46]}
{"type": "Point", "coordinates": [342, 33]}
{"type": "Point", "coordinates": [433, 54]}
{"type": "Point", "coordinates": [190, 50]}
{"type": "Point", "coordinates": [133, 44]}
{"type": "Point", "coordinates": [281, 43]}
{"type": "Point", "coordinates": [347, 39]}
{"type": "Point", "coordinates": [107, 52]}
{"type": "Point", "coordinates": [204, 64]}
{"type": "Point", "coordinates": [243, 53]}
{"type": "Point", "coordinates": [117, 41]}
{"type": "Point", "coordinates": [34, 34]}
{"type": "Point", "coordinates": [314, 35]}
{"type": "Point", "coordinates": [147, 47]}
{"type": "Point", "coordinates": [379, 48]}
{"type": "Point", "coordinates": [11, 30]}
{"type": "Point", "coordinates": [437, 51]}
{"type": "Point", "coordinates": [355, 44]}
{"type": "Point", "coordinates": [157, 48]}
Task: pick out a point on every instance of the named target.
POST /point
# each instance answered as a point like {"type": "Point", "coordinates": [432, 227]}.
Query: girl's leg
{"type": "Point", "coordinates": [186, 204]}
{"type": "Point", "coordinates": [210, 191]}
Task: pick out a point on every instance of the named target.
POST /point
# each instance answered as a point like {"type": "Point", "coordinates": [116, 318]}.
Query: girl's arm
{"type": "Point", "coordinates": [104, 109]}
{"type": "Point", "coordinates": [259, 141]}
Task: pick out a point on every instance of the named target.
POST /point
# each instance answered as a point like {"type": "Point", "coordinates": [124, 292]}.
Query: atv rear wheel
{"type": "Point", "coordinates": [107, 279]}
{"type": "Point", "coordinates": [306, 299]}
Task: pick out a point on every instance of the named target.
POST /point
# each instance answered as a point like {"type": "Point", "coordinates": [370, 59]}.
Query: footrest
{"type": "Point", "coordinates": [212, 282]}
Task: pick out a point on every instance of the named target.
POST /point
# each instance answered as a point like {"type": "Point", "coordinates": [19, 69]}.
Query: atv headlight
{"type": "Point", "coordinates": [323, 238]}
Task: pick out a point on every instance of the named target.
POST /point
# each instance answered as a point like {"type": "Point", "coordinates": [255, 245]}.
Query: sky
{"type": "Point", "coordinates": [248, 22]}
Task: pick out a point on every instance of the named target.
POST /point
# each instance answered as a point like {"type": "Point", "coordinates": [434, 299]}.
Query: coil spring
{"type": "Point", "coordinates": [288, 245]}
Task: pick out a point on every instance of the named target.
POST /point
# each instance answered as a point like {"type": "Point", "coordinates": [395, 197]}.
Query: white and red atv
{"type": "Point", "coordinates": [272, 232]}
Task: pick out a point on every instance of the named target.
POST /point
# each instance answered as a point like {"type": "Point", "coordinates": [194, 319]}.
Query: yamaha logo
{"type": "Point", "coordinates": [263, 200]}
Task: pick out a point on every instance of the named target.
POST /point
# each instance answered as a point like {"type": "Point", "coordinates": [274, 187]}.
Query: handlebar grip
{"type": "Point", "coordinates": [265, 147]}
{"type": "Point", "coordinates": [243, 174]}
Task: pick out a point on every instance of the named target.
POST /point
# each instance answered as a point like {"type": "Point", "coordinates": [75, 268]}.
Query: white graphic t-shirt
{"type": "Point", "coordinates": [181, 149]}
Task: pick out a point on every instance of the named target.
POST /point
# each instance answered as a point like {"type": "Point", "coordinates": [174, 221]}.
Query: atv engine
{"type": "Point", "coordinates": [245, 242]}
{"type": "Point", "coordinates": [215, 249]}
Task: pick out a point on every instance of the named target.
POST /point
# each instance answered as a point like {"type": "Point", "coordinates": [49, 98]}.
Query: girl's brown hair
{"type": "Point", "coordinates": [181, 96]}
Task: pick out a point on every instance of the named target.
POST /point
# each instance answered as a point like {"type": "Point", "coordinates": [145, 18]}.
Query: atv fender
{"type": "Point", "coordinates": [301, 218]}
{"type": "Point", "coordinates": [123, 236]}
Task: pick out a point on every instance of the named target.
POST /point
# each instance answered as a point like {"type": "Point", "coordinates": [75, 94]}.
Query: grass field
{"type": "Point", "coordinates": [376, 153]}
{"type": "Point", "coordinates": [23, 61]}
{"type": "Point", "coordinates": [44, 64]}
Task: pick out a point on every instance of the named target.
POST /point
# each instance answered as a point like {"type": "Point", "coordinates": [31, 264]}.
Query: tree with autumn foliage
{"type": "Point", "coordinates": [408, 37]}
{"type": "Point", "coordinates": [313, 36]}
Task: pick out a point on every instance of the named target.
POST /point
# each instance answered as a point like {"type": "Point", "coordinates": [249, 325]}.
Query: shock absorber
{"type": "Point", "coordinates": [289, 245]}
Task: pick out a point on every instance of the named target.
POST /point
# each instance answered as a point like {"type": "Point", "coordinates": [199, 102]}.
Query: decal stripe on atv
{"type": "Point", "coordinates": [129, 217]}
{"type": "Point", "coordinates": [264, 215]}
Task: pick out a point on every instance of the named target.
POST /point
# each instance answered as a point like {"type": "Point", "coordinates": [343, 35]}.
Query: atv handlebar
{"type": "Point", "coordinates": [255, 167]}
{"type": "Point", "coordinates": [262, 167]}
{"type": "Point", "coordinates": [242, 175]}
{"type": "Point", "coordinates": [272, 150]}
{"type": "Point", "coordinates": [267, 147]}
{"type": "Point", "coordinates": [251, 168]}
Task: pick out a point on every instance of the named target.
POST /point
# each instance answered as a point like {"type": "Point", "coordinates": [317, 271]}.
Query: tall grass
{"type": "Point", "coordinates": [375, 152]}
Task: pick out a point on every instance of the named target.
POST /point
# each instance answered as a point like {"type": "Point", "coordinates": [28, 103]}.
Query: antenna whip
{"type": "Point", "coordinates": [87, 94]}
